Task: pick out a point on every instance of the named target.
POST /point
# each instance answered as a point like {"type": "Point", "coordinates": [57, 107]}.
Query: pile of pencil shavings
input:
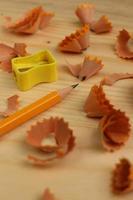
{"type": "Point", "coordinates": [53, 138]}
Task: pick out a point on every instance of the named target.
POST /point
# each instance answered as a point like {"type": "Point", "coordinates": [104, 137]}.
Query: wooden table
{"type": "Point", "coordinates": [86, 172]}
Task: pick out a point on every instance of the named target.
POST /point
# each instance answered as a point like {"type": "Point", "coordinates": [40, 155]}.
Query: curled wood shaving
{"type": "Point", "coordinates": [112, 78]}
{"type": "Point", "coordinates": [122, 48]}
{"type": "Point", "coordinates": [20, 49]}
{"type": "Point", "coordinates": [45, 19]}
{"type": "Point", "coordinates": [115, 130]}
{"type": "Point", "coordinates": [91, 65]}
{"type": "Point", "coordinates": [50, 136]}
{"type": "Point", "coordinates": [33, 20]}
{"type": "Point", "coordinates": [7, 53]}
{"type": "Point", "coordinates": [103, 25]}
{"type": "Point", "coordinates": [47, 195]}
{"type": "Point", "coordinates": [12, 106]}
{"type": "Point", "coordinates": [85, 12]}
{"type": "Point", "coordinates": [76, 42]}
{"type": "Point", "coordinates": [114, 125]}
{"type": "Point", "coordinates": [122, 180]}
{"type": "Point", "coordinates": [97, 105]}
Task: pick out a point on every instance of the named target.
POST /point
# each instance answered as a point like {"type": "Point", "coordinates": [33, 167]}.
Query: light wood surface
{"type": "Point", "coordinates": [86, 172]}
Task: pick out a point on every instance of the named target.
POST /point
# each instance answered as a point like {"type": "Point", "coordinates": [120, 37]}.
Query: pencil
{"type": "Point", "coordinates": [33, 109]}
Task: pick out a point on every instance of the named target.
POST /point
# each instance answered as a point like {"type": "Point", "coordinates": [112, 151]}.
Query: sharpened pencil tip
{"type": "Point", "coordinates": [75, 85]}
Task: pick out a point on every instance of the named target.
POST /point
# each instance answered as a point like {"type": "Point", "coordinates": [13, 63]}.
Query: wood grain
{"type": "Point", "coordinates": [86, 172]}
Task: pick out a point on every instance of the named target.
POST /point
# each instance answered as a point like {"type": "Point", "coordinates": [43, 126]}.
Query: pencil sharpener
{"type": "Point", "coordinates": [34, 69]}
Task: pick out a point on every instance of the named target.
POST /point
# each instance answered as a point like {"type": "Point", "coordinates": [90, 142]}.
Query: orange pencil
{"type": "Point", "coordinates": [33, 109]}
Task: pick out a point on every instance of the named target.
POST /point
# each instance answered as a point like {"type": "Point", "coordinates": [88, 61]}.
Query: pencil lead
{"type": "Point", "coordinates": [75, 85]}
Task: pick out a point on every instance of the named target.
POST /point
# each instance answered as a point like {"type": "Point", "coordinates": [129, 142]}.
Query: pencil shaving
{"type": "Point", "coordinates": [122, 47]}
{"type": "Point", "coordinates": [12, 106]}
{"type": "Point", "coordinates": [76, 42]}
{"type": "Point", "coordinates": [122, 179]}
{"type": "Point", "coordinates": [112, 78]}
{"type": "Point", "coordinates": [45, 19]}
{"type": "Point", "coordinates": [97, 105]}
{"type": "Point", "coordinates": [47, 195]}
{"type": "Point", "coordinates": [91, 65]}
{"type": "Point", "coordinates": [50, 136]}
{"type": "Point", "coordinates": [7, 53]}
{"type": "Point", "coordinates": [20, 49]}
{"type": "Point", "coordinates": [70, 45]}
{"type": "Point", "coordinates": [74, 69]}
{"type": "Point", "coordinates": [103, 25]}
{"type": "Point", "coordinates": [115, 130]}
{"type": "Point", "coordinates": [82, 37]}
{"type": "Point", "coordinates": [33, 20]}
{"type": "Point", "coordinates": [85, 12]}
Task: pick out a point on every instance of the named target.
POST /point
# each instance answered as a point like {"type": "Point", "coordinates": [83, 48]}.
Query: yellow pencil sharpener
{"type": "Point", "coordinates": [34, 69]}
